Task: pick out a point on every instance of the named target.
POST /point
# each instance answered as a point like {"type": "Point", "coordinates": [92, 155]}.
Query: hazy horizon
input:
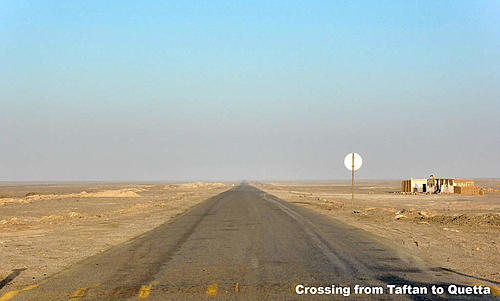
{"type": "Point", "coordinates": [127, 91]}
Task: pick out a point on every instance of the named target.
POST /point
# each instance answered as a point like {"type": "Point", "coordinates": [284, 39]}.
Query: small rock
{"type": "Point", "coordinates": [75, 214]}
{"type": "Point", "coordinates": [423, 213]}
{"type": "Point", "coordinates": [400, 216]}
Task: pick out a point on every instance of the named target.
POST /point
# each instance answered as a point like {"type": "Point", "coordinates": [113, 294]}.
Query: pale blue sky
{"type": "Point", "coordinates": [129, 90]}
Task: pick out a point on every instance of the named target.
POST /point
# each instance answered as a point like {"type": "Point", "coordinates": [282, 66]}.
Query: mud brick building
{"type": "Point", "coordinates": [441, 185]}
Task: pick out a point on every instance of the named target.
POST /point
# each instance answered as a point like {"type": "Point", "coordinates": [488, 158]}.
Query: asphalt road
{"type": "Point", "coordinates": [242, 244]}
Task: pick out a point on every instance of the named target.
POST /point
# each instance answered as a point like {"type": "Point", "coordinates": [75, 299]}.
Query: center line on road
{"type": "Point", "coordinates": [80, 292]}
{"type": "Point", "coordinates": [29, 287]}
{"type": "Point", "coordinates": [12, 294]}
{"type": "Point", "coordinates": [146, 290]}
{"type": "Point", "coordinates": [212, 289]}
{"type": "Point", "coordinates": [9, 295]}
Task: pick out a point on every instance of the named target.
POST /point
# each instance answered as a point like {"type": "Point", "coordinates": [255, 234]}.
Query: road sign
{"type": "Point", "coordinates": [353, 162]}
{"type": "Point", "coordinates": [358, 161]}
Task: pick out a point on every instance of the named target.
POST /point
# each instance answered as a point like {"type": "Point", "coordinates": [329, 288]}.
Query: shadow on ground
{"type": "Point", "coordinates": [11, 277]}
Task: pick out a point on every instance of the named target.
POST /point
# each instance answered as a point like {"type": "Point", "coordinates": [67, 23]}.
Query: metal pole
{"type": "Point", "coordinates": [352, 182]}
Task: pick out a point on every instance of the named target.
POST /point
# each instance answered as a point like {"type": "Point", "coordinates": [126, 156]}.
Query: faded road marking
{"type": "Point", "coordinates": [12, 294]}
{"type": "Point", "coordinates": [146, 290]}
{"type": "Point", "coordinates": [9, 295]}
{"type": "Point", "coordinates": [29, 287]}
{"type": "Point", "coordinates": [79, 292]}
{"type": "Point", "coordinates": [212, 289]}
{"type": "Point", "coordinates": [255, 262]}
{"type": "Point", "coordinates": [495, 290]}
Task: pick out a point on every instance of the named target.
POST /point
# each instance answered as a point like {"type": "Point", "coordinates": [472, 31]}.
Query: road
{"type": "Point", "coordinates": [242, 244]}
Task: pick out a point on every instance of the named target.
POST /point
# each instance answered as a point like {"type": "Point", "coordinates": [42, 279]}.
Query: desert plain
{"type": "Point", "coordinates": [47, 227]}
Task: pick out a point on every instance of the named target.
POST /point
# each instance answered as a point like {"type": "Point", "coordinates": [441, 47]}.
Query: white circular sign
{"type": "Point", "coordinates": [357, 161]}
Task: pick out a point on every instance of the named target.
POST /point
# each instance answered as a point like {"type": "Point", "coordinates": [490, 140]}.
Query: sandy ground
{"type": "Point", "coordinates": [45, 228]}
{"type": "Point", "coordinates": [457, 232]}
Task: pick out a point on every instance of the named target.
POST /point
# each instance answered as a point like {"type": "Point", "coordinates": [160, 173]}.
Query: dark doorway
{"type": "Point", "coordinates": [424, 187]}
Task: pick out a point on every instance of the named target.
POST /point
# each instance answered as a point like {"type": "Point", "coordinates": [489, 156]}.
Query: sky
{"type": "Point", "coordinates": [256, 90]}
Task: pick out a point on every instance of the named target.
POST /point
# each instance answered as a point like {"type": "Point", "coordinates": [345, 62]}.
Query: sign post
{"type": "Point", "coordinates": [352, 182]}
{"type": "Point", "coordinates": [353, 162]}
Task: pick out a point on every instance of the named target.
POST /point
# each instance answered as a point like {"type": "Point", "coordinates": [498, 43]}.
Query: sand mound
{"type": "Point", "coordinates": [6, 201]}
{"type": "Point", "coordinates": [195, 185]}
{"type": "Point", "coordinates": [121, 193]}
{"type": "Point", "coordinates": [137, 208]}
{"type": "Point", "coordinates": [12, 221]}
{"type": "Point", "coordinates": [31, 197]}
{"type": "Point", "coordinates": [466, 219]}
{"type": "Point", "coordinates": [76, 215]}
{"type": "Point", "coordinates": [429, 216]}
{"type": "Point", "coordinates": [60, 218]}
{"type": "Point", "coordinates": [52, 218]}
{"type": "Point", "coordinates": [8, 222]}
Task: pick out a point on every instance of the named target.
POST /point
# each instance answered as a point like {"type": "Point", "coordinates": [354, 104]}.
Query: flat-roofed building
{"type": "Point", "coordinates": [440, 185]}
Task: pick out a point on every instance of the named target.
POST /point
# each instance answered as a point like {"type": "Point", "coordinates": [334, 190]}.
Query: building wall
{"type": "Point", "coordinates": [406, 186]}
{"type": "Point", "coordinates": [464, 182]}
{"type": "Point", "coordinates": [445, 185]}
{"type": "Point", "coordinates": [417, 185]}
{"type": "Point", "coordinates": [472, 190]}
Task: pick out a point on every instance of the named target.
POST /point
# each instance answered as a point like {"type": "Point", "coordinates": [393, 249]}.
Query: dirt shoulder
{"type": "Point", "coordinates": [457, 232]}
{"type": "Point", "coordinates": [45, 228]}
